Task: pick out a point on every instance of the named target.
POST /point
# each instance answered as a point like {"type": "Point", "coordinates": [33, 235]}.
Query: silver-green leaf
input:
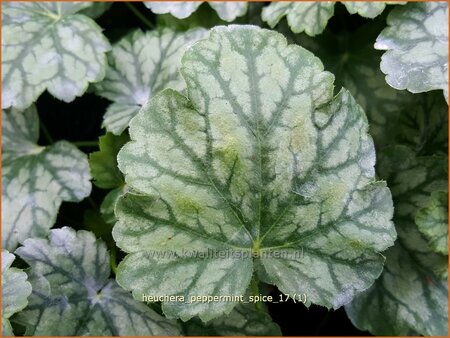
{"type": "Point", "coordinates": [411, 296]}
{"type": "Point", "coordinates": [312, 17]}
{"type": "Point", "coordinates": [305, 16]}
{"type": "Point", "coordinates": [261, 160]}
{"type": "Point", "coordinates": [432, 221]}
{"type": "Point", "coordinates": [48, 46]}
{"type": "Point", "coordinates": [15, 291]}
{"type": "Point", "coordinates": [140, 65]}
{"type": "Point", "coordinates": [416, 41]}
{"type": "Point", "coordinates": [36, 179]}
{"type": "Point", "coordinates": [72, 295]}
{"type": "Point", "coordinates": [227, 11]}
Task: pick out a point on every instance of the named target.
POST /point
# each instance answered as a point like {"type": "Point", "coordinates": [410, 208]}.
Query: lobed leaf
{"type": "Point", "coordinates": [416, 41]}
{"type": "Point", "coordinates": [312, 17]}
{"type": "Point", "coordinates": [395, 117]}
{"type": "Point", "coordinates": [411, 296]}
{"type": "Point", "coordinates": [259, 160]}
{"type": "Point", "coordinates": [36, 179]}
{"type": "Point", "coordinates": [141, 65]}
{"type": "Point", "coordinates": [35, 59]}
{"type": "Point", "coordinates": [308, 16]}
{"type": "Point", "coordinates": [227, 11]}
{"type": "Point", "coordinates": [72, 295]}
{"type": "Point", "coordinates": [15, 291]}
{"type": "Point", "coordinates": [103, 163]}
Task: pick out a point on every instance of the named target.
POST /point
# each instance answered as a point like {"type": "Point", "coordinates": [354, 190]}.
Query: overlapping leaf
{"type": "Point", "coordinates": [105, 173]}
{"type": "Point", "coordinates": [244, 320]}
{"type": "Point", "coordinates": [227, 11]}
{"type": "Point", "coordinates": [395, 117]}
{"type": "Point", "coordinates": [141, 65]}
{"type": "Point", "coordinates": [72, 294]}
{"type": "Point", "coordinates": [411, 295]}
{"type": "Point", "coordinates": [48, 46]}
{"type": "Point", "coordinates": [35, 179]}
{"type": "Point", "coordinates": [312, 17]}
{"type": "Point", "coordinates": [15, 291]}
{"type": "Point", "coordinates": [259, 160]}
{"type": "Point", "coordinates": [416, 41]}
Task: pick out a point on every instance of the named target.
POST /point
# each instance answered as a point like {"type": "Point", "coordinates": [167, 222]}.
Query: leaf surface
{"type": "Point", "coordinates": [432, 221]}
{"type": "Point", "coordinates": [72, 294]}
{"type": "Point", "coordinates": [48, 46]}
{"type": "Point", "coordinates": [312, 17]}
{"type": "Point", "coordinates": [227, 11]}
{"type": "Point", "coordinates": [36, 179]}
{"type": "Point", "coordinates": [244, 320]}
{"type": "Point", "coordinates": [416, 41]}
{"type": "Point", "coordinates": [306, 16]}
{"type": "Point", "coordinates": [259, 160]}
{"type": "Point", "coordinates": [411, 295]}
{"type": "Point", "coordinates": [103, 163]}
{"type": "Point", "coordinates": [395, 117]}
{"type": "Point", "coordinates": [140, 65]}
{"type": "Point", "coordinates": [15, 291]}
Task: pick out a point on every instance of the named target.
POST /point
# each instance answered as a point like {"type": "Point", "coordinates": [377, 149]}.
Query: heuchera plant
{"type": "Point", "coordinates": [246, 154]}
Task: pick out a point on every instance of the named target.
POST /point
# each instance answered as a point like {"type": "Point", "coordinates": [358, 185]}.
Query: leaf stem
{"type": "Point", "coordinates": [140, 15]}
{"type": "Point", "coordinates": [255, 292]}
{"type": "Point", "coordinates": [85, 143]}
{"type": "Point", "coordinates": [113, 260]}
{"type": "Point", "coordinates": [45, 132]}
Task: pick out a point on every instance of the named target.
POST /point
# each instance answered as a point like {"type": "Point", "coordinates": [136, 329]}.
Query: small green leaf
{"type": "Point", "coordinates": [109, 203]}
{"type": "Point", "coordinates": [103, 163]}
{"type": "Point", "coordinates": [411, 295]}
{"type": "Point", "coordinates": [416, 41]}
{"type": "Point", "coordinates": [15, 291]}
{"type": "Point", "coordinates": [259, 159]}
{"type": "Point", "coordinates": [72, 295]}
{"type": "Point", "coordinates": [310, 17]}
{"type": "Point", "coordinates": [227, 11]}
{"type": "Point", "coordinates": [48, 46]}
{"type": "Point", "coordinates": [35, 179]}
{"type": "Point", "coordinates": [432, 221]}
{"type": "Point", "coordinates": [141, 65]}
{"type": "Point", "coordinates": [244, 320]}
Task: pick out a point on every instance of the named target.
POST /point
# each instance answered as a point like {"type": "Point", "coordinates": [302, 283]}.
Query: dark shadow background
{"type": "Point", "coordinates": [81, 120]}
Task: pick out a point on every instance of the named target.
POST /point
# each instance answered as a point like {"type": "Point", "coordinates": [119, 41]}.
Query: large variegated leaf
{"type": "Point", "coordinates": [411, 295]}
{"type": "Point", "coordinates": [15, 291]}
{"type": "Point", "coordinates": [244, 320]}
{"type": "Point", "coordinates": [227, 11]}
{"type": "Point", "coordinates": [312, 17]}
{"type": "Point", "coordinates": [305, 16]}
{"type": "Point", "coordinates": [416, 41]}
{"type": "Point", "coordinates": [259, 160]}
{"type": "Point", "coordinates": [72, 295]}
{"type": "Point", "coordinates": [35, 179]}
{"type": "Point", "coordinates": [48, 46]}
{"type": "Point", "coordinates": [142, 64]}
{"type": "Point", "coordinates": [432, 221]}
